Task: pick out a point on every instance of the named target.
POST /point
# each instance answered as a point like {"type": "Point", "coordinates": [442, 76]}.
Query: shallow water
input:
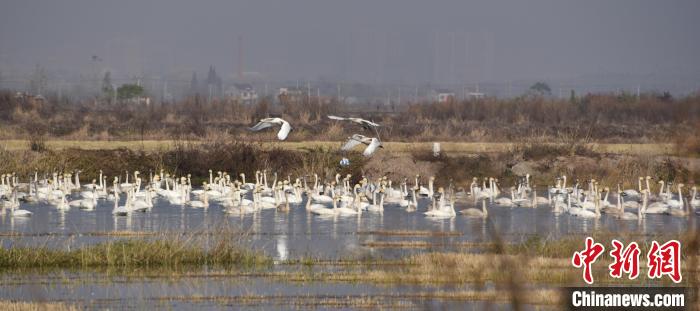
{"type": "Point", "coordinates": [291, 235]}
{"type": "Point", "coordinates": [300, 234]}
{"type": "Point", "coordinates": [212, 293]}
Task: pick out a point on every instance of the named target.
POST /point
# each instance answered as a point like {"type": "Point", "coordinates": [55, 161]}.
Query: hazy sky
{"type": "Point", "coordinates": [385, 41]}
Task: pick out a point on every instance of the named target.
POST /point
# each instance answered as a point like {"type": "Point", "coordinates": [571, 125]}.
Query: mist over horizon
{"type": "Point", "coordinates": [592, 45]}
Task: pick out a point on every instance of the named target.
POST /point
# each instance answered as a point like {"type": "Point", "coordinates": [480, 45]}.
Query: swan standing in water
{"type": "Point", "coordinates": [475, 212]}
{"type": "Point", "coordinates": [582, 212]}
{"type": "Point", "coordinates": [673, 203]}
{"type": "Point", "coordinates": [321, 209]}
{"type": "Point", "coordinates": [443, 210]}
{"type": "Point", "coordinates": [285, 128]}
{"type": "Point", "coordinates": [205, 199]}
{"type": "Point", "coordinates": [120, 210]}
{"type": "Point", "coordinates": [372, 144]}
{"type": "Point", "coordinates": [15, 210]}
{"type": "Point", "coordinates": [377, 206]}
{"type": "Point", "coordinates": [506, 201]}
{"type": "Point", "coordinates": [680, 211]}
{"type": "Point", "coordinates": [694, 201]}
{"type": "Point", "coordinates": [634, 193]}
{"type": "Point", "coordinates": [621, 214]}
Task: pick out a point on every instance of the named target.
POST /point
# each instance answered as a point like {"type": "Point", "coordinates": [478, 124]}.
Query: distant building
{"type": "Point", "coordinates": [442, 95]}
{"type": "Point", "coordinates": [475, 95]}
{"type": "Point", "coordinates": [290, 94]}
{"type": "Point", "coordinates": [138, 100]}
{"type": "Point", "coordinates": [29, 99]}
{"type": "Point", "coordinates": [243, 92]}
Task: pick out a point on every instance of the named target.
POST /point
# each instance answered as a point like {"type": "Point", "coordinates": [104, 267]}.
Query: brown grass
{"type": "Point", "coordinates": [36, 306]}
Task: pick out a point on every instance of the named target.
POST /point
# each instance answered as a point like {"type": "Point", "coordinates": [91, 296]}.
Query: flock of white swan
{"type": "Point", "coordinates": [338, 196]}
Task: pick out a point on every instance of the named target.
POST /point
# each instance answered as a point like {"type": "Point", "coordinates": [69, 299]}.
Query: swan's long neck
{"type": "Point", "coordinates": [661, 189]}
{"type": "Point", "coordinates": [648, 187]}
{"type": "Point", "coordinates": [563, 185]}
{"type": "Point", "coordinates": [639, 184]}
{"type": "Point", "coordinates": [619, 204]}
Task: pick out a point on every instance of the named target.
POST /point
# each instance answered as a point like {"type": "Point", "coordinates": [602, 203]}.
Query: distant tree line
{"type": "Point", "coordinates": [610, 117]}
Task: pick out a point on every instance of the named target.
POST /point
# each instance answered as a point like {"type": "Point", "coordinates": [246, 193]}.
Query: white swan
{"type": "Point", "coordinates": [143, 203]}
{"type": "Point", "coordinates": [694, 201]}
{"type": "Point", "coordinates": [475, 212]}
{"type": "Point", "coordinates": [204, 203]}
{"type": "Point", "coordinates": [581, 212]}
{"type": "Point", "coordinates": [377, 206]}
{"type": "Point", "coordinates": [372, 144]}
{"type": "Point", "coordinates": [680, 211]}
{"type": "Point", "coordinates": [362, 122]}
{"type": "Point", "coordinates": [506, 201]}
{"type": "Point", "coordinates": [443, 209]}
{"type": "Point", "coordinates": [673, 203]}
{"type": "Point", "coordinates": [621, 214]}
{"type": "Point", "coordinates": [285, 128]}
{"type": "Point", "coordinates": [633, 193]}
{"type": "Point", "coordinates": [120, 210]}
{"type": "Point", "coordinates": [16, 211]}
{"type": "Point", "coordinates": [659, 207]}
{"type": "Point", "coordinates": [320, 209]}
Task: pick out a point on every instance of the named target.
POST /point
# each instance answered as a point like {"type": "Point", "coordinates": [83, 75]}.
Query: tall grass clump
{"type": "Point", "coordinates": [132, 253]}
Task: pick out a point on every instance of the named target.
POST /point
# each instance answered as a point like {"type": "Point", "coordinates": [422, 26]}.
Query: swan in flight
{"type": "Point", "coordinates": [285, 128]}
{"type": "Point", "coordinates": [372, 144]}
{"type": "Point", "coordinates": [368, 125]}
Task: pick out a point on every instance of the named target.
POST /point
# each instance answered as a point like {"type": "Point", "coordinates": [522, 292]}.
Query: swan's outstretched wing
{"type": "Point", "coordinates": [353, 142]}
{"type": "Point", "coordinates": [284, 131]}
{"type": "Point", "coordinates": [369, 123]}
{"type": "Point", "coordinates": [261, 125]}
{"type": "Point", "coordinates": [372, 147]}
{"type": "Point", "coordinates": [337, 118]}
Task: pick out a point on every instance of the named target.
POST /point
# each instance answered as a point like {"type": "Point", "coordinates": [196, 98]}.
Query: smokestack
{"type": "Point", "coordinates": [240, 58]}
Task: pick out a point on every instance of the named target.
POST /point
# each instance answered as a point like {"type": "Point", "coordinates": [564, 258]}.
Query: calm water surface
{"type": "Point", "coordinates": [295, 234]}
